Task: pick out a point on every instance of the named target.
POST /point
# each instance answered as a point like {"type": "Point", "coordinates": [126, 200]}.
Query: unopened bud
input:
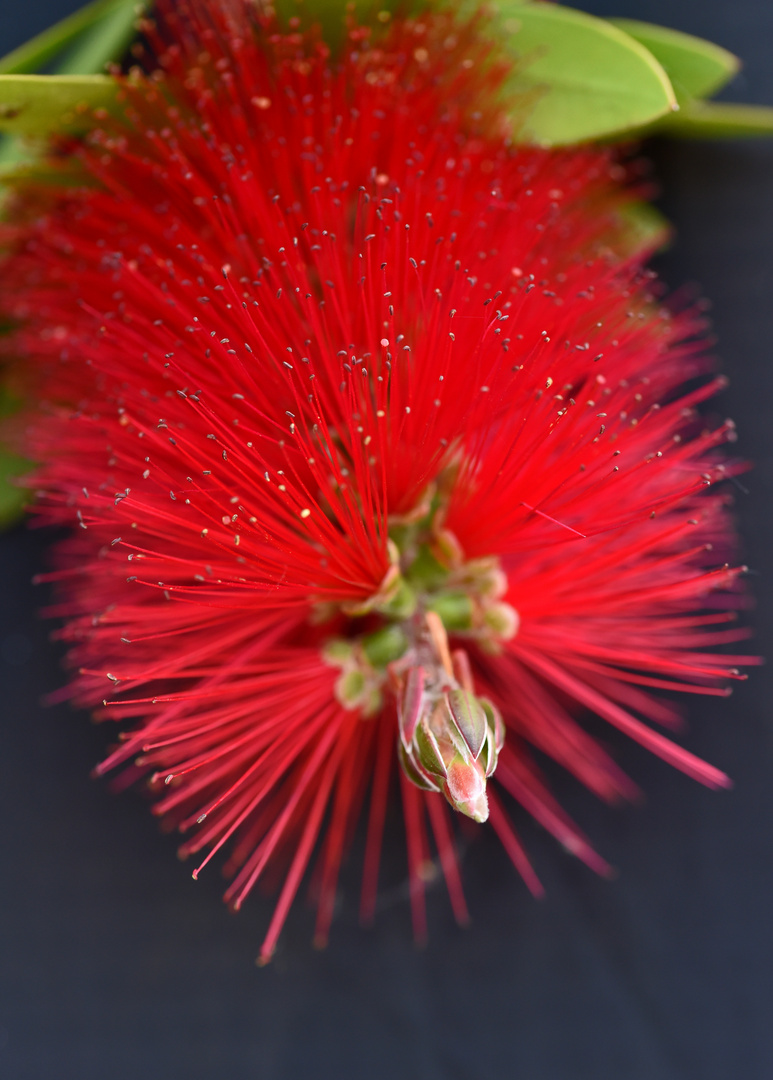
{"type": "Point", "coordinates": [449, 742]}
{"type": "Point", "coordinates": [486, 576]}
{"type": "Point", "coordinates": [350, 687]}
{"type": "Point", "coordinates": [358, 687]}
{"type": "Point", "coordinates": [447, 549]}
{"type": "Point", "coordinates": [338, 652]}
{"type": "Point", "coordinates": [385, 645]}
{"type": "Point", "coordinates": [502, 620]}
{"type": "Point", "coordinates": [454, 609]}
{"type": "Point", "coordinates": [355, 690]}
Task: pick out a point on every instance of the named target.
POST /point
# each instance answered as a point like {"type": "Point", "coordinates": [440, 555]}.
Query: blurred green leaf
{"type": "Point", "coordinates": [29, 165]}
{"type": "Point", "coordinates": [12, 498]}
{"type": "Point", "coordinates": [41, 104]}
{"type": "Point", "coordinates": [106, 40]}
{"type": "Point", "coordinates": [97, 34]}
{"type": "Point", "coordinates": [696, 68]}
{"type": "Point", "coordinates": [35, 105]}
{"type": "Point", "coordinates": [14, 154]}
{"type": "Point", "coordinates": [591, 79]}
{"type": "Point", "coordinates": [331, 14]}
{"type": "Point", "coordinates": [42, 49]}
{"type": "Point", "coordinates": [646, 229]}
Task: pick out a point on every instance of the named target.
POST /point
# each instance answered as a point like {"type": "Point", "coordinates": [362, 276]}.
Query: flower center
{"type": "Point", "coordinates": [398, 642]}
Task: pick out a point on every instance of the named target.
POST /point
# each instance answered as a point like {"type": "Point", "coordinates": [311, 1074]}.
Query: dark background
{"type": "Point", "coordinates": [116, 965]}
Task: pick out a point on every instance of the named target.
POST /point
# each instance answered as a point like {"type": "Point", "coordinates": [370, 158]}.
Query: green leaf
{"type": "Point", "coordinates": [22, 163]}
{"type": "Point", "coordinates": [718, 120]}
{"type": "Point", "coordinates": [331, 14]}
{"type": "Point", "coordinates": [591, 79]}
{"type": "Point", "coordinates": [106, 40]}
{"type": "Point", "coordinates": [14, 154]}
{"type": "Point", "coordinates": [39, 51]}
{"type": "Point", "coordinates": [41, 104]}
{"type": "Point", "coordinates": [696, 68]}
{"type": "Point", "coordinates": [12, 498]}
{"type": "Point", "coordinates": [101, 32]}
{"type": "Point", "coordinates": [645, 228]}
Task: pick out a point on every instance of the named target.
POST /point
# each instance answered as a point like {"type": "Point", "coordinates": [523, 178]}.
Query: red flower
{"type": "Point", "coordinates": [374, 434]}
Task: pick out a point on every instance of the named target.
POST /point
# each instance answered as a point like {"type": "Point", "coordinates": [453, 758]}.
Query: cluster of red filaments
{"type": "Point", "coordinates": [312, 319]}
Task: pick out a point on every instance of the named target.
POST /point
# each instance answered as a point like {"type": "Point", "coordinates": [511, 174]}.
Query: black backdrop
{"type": "Point", "coordinates": [116, 965]}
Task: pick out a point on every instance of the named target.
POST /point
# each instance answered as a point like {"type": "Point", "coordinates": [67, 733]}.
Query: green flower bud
{"type": "Point", "coordinates": [385, 645]}
{"type": "Point", "coordinates": [454, 609]}
{"type": "Point", "coordinates": [338, 652]}
{"type": "Point", "coordinates": [486, 576]}
{"type": "Point", "coordinates": [350, 688]}
{"type": "Point", "coordinates": [502, 620]}
{"type": "Point", "coordinates": [447, 549]}
{"type": "Point", "coordinates": [425, 571]}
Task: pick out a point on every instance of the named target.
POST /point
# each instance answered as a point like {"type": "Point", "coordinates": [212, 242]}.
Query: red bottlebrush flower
{"type": "Point", "coordinates": [377, 446]}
